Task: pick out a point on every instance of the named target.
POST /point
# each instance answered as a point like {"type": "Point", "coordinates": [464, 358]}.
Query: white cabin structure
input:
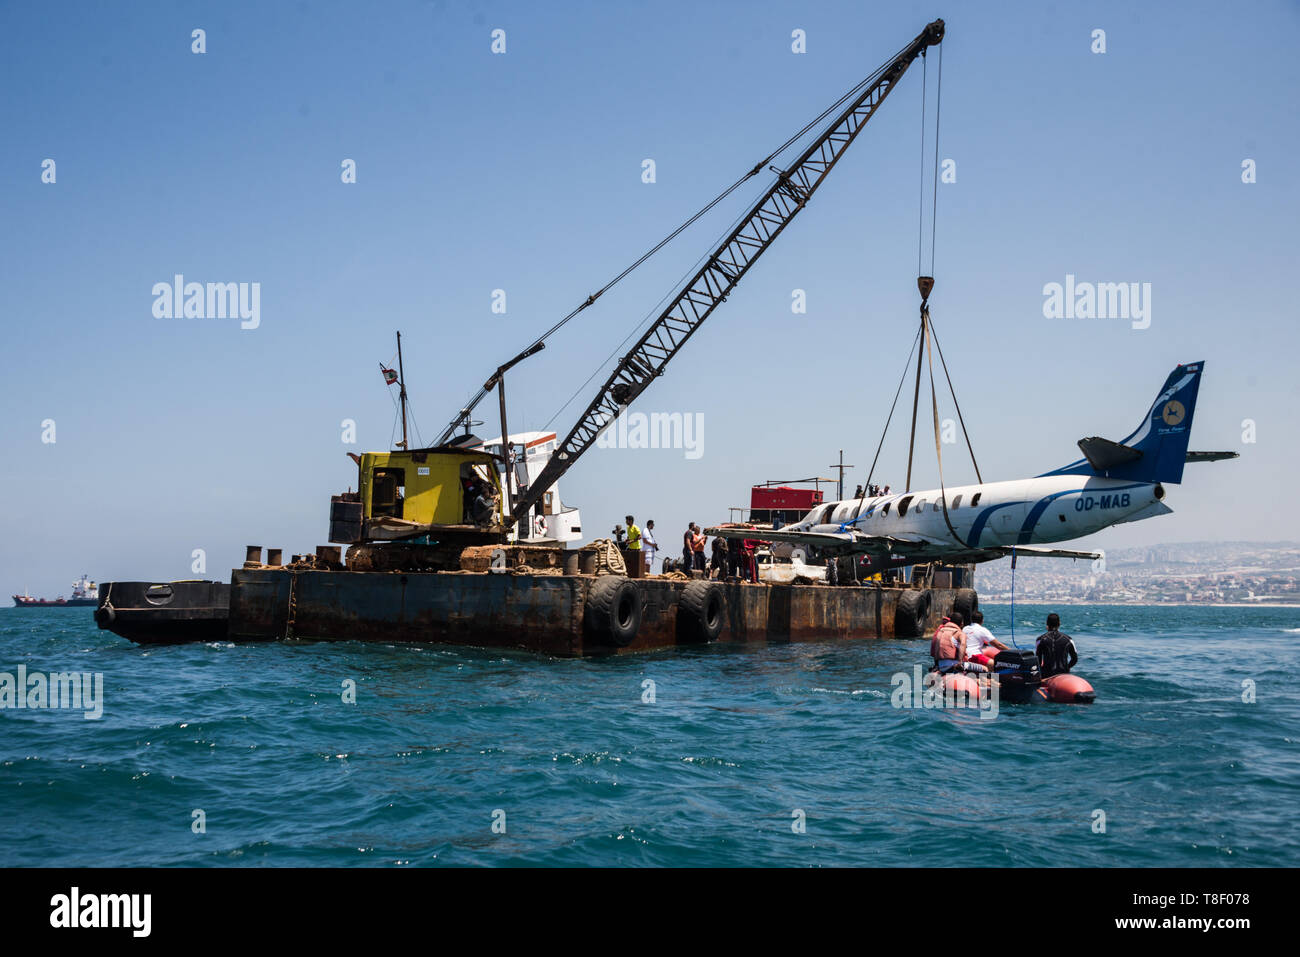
{"type": "Point", "coordinates": [551, 520]}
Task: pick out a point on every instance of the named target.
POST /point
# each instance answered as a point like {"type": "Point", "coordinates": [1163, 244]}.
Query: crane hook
{"type": "Point", "coordinates": [925, 284]}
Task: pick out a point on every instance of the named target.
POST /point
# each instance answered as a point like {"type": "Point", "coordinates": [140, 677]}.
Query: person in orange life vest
{"type": "Point", "coordinates": [948, 646]}
{"type": "Point", "coordinates": [698, 540]}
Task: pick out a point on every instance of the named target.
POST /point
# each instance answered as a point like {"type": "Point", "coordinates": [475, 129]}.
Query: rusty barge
{"type": "Point", "coordinates": [446, 580]}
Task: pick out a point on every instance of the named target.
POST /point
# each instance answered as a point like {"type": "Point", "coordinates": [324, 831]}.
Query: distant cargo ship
{"type": "Point", "coordinates": [84, 592]}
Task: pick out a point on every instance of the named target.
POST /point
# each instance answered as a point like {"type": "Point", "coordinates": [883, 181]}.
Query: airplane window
{"type": "Point", "coordinates": [956, 502]}
{"type": "Point", "coordinates": [884, 510]}
{"type": "Point", "coordinates": [905, 501]}
{"type": "Point", "coordinates": [975, 499]}
{"type": "Point", "coordinates": [920, 507]}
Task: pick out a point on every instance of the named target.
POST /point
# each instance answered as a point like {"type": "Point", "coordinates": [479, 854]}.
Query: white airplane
{"type": "Point", "coordinates": [1114, 482]}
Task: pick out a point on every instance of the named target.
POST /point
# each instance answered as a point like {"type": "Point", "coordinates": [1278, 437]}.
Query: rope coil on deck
{"type": "Point", "coordinates": [609, 560]}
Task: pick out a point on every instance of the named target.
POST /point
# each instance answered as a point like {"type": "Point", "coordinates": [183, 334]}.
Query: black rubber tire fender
{"type": "Point", "coordinates": [966, 601]}
{"type": "Point", "coordinates": [612, 614]}
{"type": "Point", "coordinates": [912, 613]}
{"type": "Point", "coordinates": [701, 611]}
{"type": "Point", "coordinates": [105, 615]}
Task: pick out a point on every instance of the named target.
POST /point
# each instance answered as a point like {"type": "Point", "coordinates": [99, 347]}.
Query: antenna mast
{"type": "Point", "coordinates": [401, 381]}
{"type": "Point", "coordinates": [839, 488]}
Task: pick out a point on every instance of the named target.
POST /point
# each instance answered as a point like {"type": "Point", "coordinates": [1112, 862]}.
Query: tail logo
{"type": "Point", "coordinates": [1173, 412]}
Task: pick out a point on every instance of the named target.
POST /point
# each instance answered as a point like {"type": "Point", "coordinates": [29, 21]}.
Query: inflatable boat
{"type": "Point", "coordinates": [1021, 682]}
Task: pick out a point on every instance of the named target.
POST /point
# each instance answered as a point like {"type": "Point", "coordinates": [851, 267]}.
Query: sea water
{"type": "Point", "coordinates": [778, 754]}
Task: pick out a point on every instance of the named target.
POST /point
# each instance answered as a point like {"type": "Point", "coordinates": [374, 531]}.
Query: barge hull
{"type": "Point", "coordinates": [159, 613]}
{"type": "Point", "coordinates": [545, 614]}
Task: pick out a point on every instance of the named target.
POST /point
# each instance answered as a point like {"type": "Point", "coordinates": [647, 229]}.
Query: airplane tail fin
{"type": "Point", "coordinates": [1157, 449]}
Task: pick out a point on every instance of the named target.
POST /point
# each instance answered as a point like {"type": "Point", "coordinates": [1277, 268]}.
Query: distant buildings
{"type": "Point", "coordinates": [1181, 573]}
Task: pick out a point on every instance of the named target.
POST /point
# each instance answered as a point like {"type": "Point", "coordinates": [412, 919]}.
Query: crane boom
{"type": "Point", "coordinates": [718, 276]}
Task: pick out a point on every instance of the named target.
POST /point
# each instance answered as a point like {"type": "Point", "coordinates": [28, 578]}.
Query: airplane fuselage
{"type": "Point", "coordinates": [1050, 508]}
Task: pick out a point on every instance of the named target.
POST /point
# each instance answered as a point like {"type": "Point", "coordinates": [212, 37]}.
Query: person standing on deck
{"type": "Point", "coordinates": [698, 540]}
{"type": "Point", "coordinates": [649, 545]}
{"type": "Point", "coordinates": [688, 560]}
{"type": "Point", "coordinates": [749, 560]}
{"type": "Point", "coordinates": [718, 561]}
{"type": "Point", "coordinates": [633, 540]}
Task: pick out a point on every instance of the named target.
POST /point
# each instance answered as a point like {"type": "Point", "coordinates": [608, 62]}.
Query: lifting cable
{"type": "Point", "coordinates": [925, 278]}
{"type": "Point", "coordinates": [1013, 597]}
{"type": "Point", "coordinates": [920, 196]}
{"type": "Point", "coordinates": [934, 201]}
{"type": "Point", "coordinates": [925, 284]}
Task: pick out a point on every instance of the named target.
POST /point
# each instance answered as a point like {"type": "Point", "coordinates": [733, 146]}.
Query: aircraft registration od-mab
{"type": "Point", "coordinates": [1115, 482]}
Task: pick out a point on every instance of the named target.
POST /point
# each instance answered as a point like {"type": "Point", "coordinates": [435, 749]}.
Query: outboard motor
{"type": "Point", "coordinates": [1018, 675]}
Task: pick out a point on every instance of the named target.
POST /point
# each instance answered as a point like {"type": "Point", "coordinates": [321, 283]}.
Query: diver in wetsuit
{"type": "Point", "coordinates": [1056, 652]}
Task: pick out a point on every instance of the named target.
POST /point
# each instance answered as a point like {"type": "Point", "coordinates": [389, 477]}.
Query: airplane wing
{"type": "Point", "coordinates": [1040, 552]}
{"type": "Point", "coordinates": [899, 551]}
{"type": "Point", "coordinates": [932, 552]}
{"type": "Point", "coordinates": [845, 541]}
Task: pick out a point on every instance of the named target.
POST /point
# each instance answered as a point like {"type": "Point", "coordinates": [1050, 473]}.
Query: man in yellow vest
{"type": "Point", "coordinates": [633, 541]}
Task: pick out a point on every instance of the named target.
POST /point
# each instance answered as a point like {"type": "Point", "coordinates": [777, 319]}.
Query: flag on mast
{"type": "Point", "coordinates": [390, 376]}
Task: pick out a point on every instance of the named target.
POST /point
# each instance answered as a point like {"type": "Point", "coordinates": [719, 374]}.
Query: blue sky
{"type": "Point", "coordinates": [522, 172]}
